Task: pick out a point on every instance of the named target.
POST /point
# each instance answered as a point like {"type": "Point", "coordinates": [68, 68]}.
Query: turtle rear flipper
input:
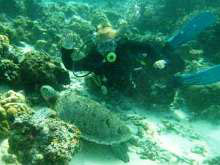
{"type": "Point", "coordinates": [120, 151]}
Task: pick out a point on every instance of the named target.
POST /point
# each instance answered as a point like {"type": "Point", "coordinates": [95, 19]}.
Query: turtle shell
{"type": "Point", "coordinates": [96, 123]}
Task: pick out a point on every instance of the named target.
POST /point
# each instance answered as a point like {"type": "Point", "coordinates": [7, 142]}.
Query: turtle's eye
{"type": "Point", "coordinates": [119, 131]}
{"type": "Point", "coordinates": [108, 123]}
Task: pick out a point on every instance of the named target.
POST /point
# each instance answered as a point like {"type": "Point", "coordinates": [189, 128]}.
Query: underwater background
{"type": "Point", "coordinates": [50, 116]}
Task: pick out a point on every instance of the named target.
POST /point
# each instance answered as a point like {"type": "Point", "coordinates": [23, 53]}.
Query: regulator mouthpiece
{"type": "Point", "coordinates": [111, 57]}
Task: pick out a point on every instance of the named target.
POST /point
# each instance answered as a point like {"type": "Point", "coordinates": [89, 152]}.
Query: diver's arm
{"type": "Point", "coordinates": [91, 62]}
{"type": "Point", "coordinates": [66, 58]}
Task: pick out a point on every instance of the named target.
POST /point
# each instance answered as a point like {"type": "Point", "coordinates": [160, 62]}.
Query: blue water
{"type": "Point", "coordinates": [141, 60]}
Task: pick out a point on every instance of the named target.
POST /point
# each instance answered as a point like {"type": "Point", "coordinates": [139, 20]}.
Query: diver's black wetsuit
{"type": "Point", "coordinates": [132, 57]}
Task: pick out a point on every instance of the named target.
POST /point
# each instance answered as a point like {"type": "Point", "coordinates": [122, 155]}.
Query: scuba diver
{"type": "Point", "coordinates": [117, 60]}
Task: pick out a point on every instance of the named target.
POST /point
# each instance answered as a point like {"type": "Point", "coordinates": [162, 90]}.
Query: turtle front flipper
{"type": "Point", "coordinates": [120, 151]}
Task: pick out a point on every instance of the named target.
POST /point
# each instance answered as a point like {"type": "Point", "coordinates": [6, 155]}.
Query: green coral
{"type": "Point", "coordinates": [4, 126]}
{"type": "Point", "coordinates": [24, 7]}
{"type": "Point", "coordinates": [11, 7]}
{"type": "Point", "coordinates": [99, 18]}
{"type": "Point", "coordinates": [9, 71]}
{"type": "Point", "coordinates": [4, 44]}
{"type": "Point", "coordinates": [37, 68]}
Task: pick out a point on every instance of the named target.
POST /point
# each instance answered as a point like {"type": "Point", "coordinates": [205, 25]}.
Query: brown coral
{"type": "Point", "coordinates": [12, 104]}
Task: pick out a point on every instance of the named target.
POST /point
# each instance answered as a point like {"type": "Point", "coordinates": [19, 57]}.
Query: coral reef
{"type": "Point", "coordinates": [4, 44]}
{"type": "Point", "coordinates": [38, 68]}
{"type": "Point", "coordinates": [11, 7]}
{"type": "Point", "coordinates": [5, 157]}
{"type": "Point", "coordinates": [100, 18]}
{"type": "Point", "coordinates": [9, 71]}
{"type": "Point", "coordinates": [36, 137]}
{"type": "Point", "coordinates": [41, 138]}
{"type": "Point", "coordinates": [33, 26]}
{"type": "Point", "coordinates": [198, 98]}
{"type": "Point", "coordinates": [12, 105]}
{"type": "Point", "coordinates": [4, 126]}
{"type": "Point", "coordinates": [25, 65]}
{"type": "Point", "coordinates": [31, 8]}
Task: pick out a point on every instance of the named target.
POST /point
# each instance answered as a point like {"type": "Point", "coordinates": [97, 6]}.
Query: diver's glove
{"type": "Point", "coordinates": [67, 48]}
{"type": "Point", "coordinates": [204, 77]}
{"type": "Point", "coordinates": [66, 58]}
{"type": "Point", "coordinates": [191, 29]}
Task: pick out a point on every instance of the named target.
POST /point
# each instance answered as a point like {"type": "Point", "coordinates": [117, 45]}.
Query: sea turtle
{"type": "Point", "coordinates": [96, 123]}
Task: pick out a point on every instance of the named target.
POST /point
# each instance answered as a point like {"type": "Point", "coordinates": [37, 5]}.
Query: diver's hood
{"type": "Point", "coordinates": [106, 46]}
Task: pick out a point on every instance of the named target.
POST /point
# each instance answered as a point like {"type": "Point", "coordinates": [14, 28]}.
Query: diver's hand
{"type": "Point", "coordinates": [160, 64]}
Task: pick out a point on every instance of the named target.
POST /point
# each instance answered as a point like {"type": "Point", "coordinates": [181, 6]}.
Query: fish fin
{"type": "Point", "coordinates": [204, 77]}
{"type": "Point", "coordinates": [192, 29]}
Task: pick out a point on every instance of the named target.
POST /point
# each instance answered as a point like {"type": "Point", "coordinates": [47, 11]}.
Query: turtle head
{"type": "Point", "coordinates": [49, 94]}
